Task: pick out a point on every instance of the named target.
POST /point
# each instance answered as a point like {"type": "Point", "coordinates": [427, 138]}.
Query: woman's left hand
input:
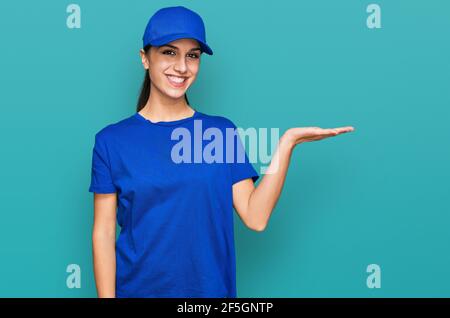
{"type": "Point", "coordinates": [298, 135]}
{"type": "Point", "coordinates": [255, 205]}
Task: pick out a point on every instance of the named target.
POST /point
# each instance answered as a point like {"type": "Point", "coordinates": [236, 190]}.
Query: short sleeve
{"type": "Point", "coordinates": [241, 167]}
{"type": "Point", "coordinates": [101, 178]}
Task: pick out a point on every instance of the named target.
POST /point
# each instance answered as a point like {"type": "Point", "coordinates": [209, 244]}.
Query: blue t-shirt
{"type": "Point", "coordinates": [176, 218]}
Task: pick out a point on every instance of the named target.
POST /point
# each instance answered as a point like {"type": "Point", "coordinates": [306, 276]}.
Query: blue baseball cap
{"type": "Point", "coordinates": [173, 23]}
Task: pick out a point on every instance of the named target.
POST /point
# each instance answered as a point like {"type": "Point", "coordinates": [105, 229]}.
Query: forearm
{"type": "Point", "coordinates": [264, 197]}
{"type": "Point", "coordinates": [104, 253]}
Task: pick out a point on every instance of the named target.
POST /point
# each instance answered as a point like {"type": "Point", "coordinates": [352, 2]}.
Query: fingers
{"type": "Point", "coordinates": [331, 130]}
{"type": "Point", "coordinates": [305, 134]}
{"type": "Point", "coordinates": [345, 129]}
{"type": "Point", "coordinates": [321, 133]}
{"type": "Point", "coordinates": [340, 130]}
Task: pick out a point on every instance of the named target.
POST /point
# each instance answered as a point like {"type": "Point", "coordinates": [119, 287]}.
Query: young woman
{"type": "Point", "coordinates": [176, 219]}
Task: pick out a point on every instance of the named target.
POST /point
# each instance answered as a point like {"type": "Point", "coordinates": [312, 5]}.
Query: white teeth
{"type": "Point", "coordinates": [176, 79]}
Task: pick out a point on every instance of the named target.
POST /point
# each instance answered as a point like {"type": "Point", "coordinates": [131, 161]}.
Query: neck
{"type": "Point", "coordinates": [160, 107]}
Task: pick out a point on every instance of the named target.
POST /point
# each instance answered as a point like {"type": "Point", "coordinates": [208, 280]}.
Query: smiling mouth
{"type": "Point", "coordinates": [177, 81]}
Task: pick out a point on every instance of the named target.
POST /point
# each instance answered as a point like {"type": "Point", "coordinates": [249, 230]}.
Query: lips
{"type": "Point", "coordinates": [177, 81]}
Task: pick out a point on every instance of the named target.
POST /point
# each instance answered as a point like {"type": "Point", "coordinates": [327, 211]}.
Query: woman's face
{"type": "Point", "coordinates": [173, 67]}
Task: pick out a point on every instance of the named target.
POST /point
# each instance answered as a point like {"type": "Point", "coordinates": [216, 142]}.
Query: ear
{"type": "Point", "coordinates": [145, 62]}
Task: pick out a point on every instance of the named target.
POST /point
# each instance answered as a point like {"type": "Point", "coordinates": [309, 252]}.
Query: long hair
{"type": "Point", "coordinates": [145, 88]}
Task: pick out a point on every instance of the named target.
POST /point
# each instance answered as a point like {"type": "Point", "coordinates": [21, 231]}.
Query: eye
{"type": "Point", "coordinates": [193, 55]}
{"type": "Point", "coordinates": [168, 52]}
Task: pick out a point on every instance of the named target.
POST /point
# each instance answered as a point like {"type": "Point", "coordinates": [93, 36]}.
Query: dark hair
{"type": "Point", "coordinates": [145, 88]}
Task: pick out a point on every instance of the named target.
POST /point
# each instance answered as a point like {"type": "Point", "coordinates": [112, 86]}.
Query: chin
{"type": "Point", "coordinates": [175, 93]}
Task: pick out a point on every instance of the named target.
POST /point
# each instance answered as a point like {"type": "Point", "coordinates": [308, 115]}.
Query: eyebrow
{"type": "Point", "coordinates": [174, 47]}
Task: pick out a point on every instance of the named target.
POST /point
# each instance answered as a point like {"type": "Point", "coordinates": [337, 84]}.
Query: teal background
{"type": "Point", "coordinates": [377, 195]}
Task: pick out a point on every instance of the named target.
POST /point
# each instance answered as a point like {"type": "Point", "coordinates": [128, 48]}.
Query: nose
{"type": "Point", "coordinates": [180, 65]}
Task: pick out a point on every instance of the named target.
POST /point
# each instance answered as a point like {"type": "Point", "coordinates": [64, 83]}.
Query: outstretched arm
{"type": "Point", "coordinates": [255, 204]}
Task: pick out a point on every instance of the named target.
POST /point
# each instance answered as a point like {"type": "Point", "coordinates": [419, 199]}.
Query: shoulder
{"type": "Point", "coordinates": [217, 120]}
{"type": "Point", "coordinates": [115, 129]}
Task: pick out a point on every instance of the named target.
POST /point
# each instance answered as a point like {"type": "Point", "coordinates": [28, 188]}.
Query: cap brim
{"type": "Point", "coordinates": [167, 39]}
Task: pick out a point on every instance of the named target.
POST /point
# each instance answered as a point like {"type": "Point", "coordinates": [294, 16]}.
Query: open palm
{"type": "Point", "coordinates": [299, 135]}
